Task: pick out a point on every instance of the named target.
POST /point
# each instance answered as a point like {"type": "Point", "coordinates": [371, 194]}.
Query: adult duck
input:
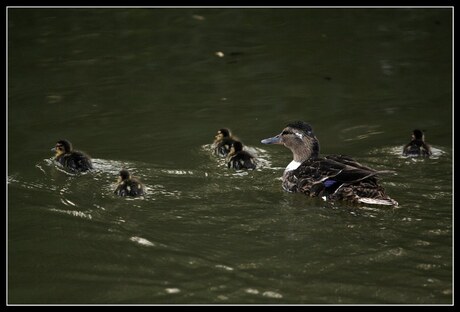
{"type": "Point", "coordinates": [70, 159]}
{"type": "Point", "coordinates": [333, 177]}
{"type": "Point", "coordinates": [417, 146]}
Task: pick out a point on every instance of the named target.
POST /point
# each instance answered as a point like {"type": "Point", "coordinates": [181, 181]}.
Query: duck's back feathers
{"type": "Point", "coordinates": [417, 145]}
{"type": "Point", "coordinates": [336, 177]}
{"type": "Point", "coordinates": [241, 160]}
{"type": "Point", "coordinates": [75, 161]}
{"type": "Point", "coordinates": [130, 187]}
{"type": "Point", "coordinates": [417, 148]}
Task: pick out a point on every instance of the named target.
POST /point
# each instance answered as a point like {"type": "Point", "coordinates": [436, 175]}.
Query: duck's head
{"type": "Point", "coordinates": [298, 136]}
{"type": "Point", "coordinates": [123, 175]}
{"type": "Point", "coordinates": [236, 147]}
{"type": "Point", "coordinates": [418, 135]}
{"type": "Point", "coordinates": [221, 134]}
{"type": "Point", "coordinates": [62, 147]}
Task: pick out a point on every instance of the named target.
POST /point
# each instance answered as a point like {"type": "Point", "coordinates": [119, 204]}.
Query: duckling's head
{"type": "Point", "coordinates": [124, 175]}
{"type": "Point", "coordinates": [418, 135]}
{"type": "Point", "coordinates": [298, 136]}
{"type": "Point", "coordinates": [221, 134]}
{"type": "Point", "coordinates": [236, 147]}
{"type": "Point", "coordinates": [62, 147]}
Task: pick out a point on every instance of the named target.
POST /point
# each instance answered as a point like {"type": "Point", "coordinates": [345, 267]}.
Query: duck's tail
{"type": "Point", "coordinates": [386, 172]}
{"type": "Point", "coordinates": [374, 201]}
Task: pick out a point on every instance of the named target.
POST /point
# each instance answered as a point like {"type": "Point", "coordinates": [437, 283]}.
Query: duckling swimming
{"type": "Point", "coordinates": [239, 159]}
{"type": "Point", "coordinates": [222, 142]}
{"type": "Point", "coordinates": [333, 177]}
{"type": "Point", "coordinates": [417, 145]}
{"type": "Point", "coordinates": [128, 185]}
{"type": "Point", "coordinates": [75, 161]}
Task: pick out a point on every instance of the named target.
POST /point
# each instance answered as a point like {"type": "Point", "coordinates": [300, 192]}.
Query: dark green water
{"type": "Point", "coordinates": [148, 88]}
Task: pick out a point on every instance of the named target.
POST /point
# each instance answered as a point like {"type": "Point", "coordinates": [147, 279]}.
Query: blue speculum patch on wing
{"type": "Point", "coordinates": [329, 182]}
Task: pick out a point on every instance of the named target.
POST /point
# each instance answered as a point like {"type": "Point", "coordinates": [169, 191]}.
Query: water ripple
{"type": "Point", "coordinates": [74, 213]}
{"type": "Point", "coordinates": [397, 151]}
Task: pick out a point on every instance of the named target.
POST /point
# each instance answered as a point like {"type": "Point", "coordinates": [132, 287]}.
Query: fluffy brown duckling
{"type": "Point", "coordinates": [417, 146]}
{"type": "Point", "coordinates": [74, 161]}
{"type": "Point", "coordinates": [239, 159]}
{"type": "Point", "coordinates": [222, 142]}
{"type": "Point", "coordinates": [333, 177]}
{"type": "Point", "coordinates": [128, 185]}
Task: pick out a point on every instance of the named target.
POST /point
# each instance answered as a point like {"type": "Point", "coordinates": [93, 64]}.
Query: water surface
{"type": "Point", "coordinates": [147, 89]}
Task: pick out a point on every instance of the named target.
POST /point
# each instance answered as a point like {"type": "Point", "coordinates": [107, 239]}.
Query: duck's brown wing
{"type": "Point", "coordinates": [322, 176]}
{"type": "Point", "coordinates": [337, 177]}
{"type": "Point", "coordinates": [338, 167]}
{"type": "Point", "coordinates": [346, 160]}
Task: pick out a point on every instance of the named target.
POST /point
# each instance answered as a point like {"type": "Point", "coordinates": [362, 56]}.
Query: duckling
{"type": "Point", "coordinates": [75, 161]}
{"type": "Point", "coordinates": [333, 177]}
{"type": "Point", "coordinates": [222, 142]}
{"type": "Point", "coordinates": [239, 159]}
{"type": "Point", "coordinates": [128, 185]}
{"type": "Point", "coordinates": [417, 145]}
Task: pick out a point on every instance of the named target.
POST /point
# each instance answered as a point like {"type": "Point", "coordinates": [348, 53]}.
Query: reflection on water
{"type": "Point", "coordinates": [360, 132]}
{"type": "Point", "coordinates": [145, 90]}
{"type": "Point", "coordinates": [73, 212]}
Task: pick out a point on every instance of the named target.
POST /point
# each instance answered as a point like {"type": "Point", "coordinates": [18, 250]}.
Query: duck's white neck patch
{"type": "Point", "coordinates": [293, 165]}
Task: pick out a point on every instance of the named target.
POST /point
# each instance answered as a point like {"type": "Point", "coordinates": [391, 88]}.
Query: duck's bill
{"type": "Point", "coordinates": [53, 149]}
{"type": "Point", "coordinates": [274, 140]}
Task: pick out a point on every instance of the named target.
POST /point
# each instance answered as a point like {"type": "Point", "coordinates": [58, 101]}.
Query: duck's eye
{"type": "Point", "coordinates": [285, 132]}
